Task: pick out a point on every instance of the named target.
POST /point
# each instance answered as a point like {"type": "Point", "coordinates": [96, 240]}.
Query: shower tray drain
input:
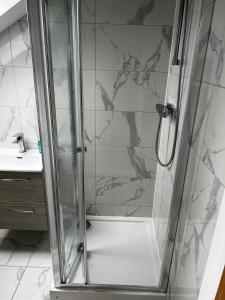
{"type": "Point", "coordinates": [88, 225]}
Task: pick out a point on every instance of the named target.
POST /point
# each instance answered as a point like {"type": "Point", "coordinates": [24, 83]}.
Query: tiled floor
{"type": "Point", "coordinates": [25, 265]}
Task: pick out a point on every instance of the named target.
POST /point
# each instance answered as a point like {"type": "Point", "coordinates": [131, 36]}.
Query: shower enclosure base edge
{"type": "Point", "coordinates": [92, 294]}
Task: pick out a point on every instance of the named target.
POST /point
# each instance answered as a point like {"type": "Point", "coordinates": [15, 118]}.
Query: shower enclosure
{"type": "Point", "coordinates": [101, 67]}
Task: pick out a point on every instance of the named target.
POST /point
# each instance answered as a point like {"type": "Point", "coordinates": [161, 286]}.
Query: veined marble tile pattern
{"type": "Point", "coordinates": [204, 185]}
{"type": "Point", "coordinates": [125, 56]}
{"type": "Point", "coordinates": [18, 110]}
{"type": "Point", "coordinates": [25, 265]}
{"type": "Point", "coordinates": [171, 177]}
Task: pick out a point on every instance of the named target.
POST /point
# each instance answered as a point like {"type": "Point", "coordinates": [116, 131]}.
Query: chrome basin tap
{"type": "Point", "coordinates": [19, 139]}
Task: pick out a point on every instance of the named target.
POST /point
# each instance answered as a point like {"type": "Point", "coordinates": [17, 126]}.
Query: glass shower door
{"type": "Point", "coordinates": [69, 149]}
{"type": "Point", "coordinates": [61, 126]}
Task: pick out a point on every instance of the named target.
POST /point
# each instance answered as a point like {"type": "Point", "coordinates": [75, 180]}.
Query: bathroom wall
{"type": "Point", "coordinates": [125, 55]}
{"type": "Point", "coordinates": [205, 181]}
{"type": "Point", "coordinates": [17, 97]}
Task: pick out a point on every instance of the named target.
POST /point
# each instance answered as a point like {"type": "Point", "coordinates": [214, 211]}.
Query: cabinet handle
{"type": "Point", "coordinates": [21, 211]}
{"type": "Point", "coordinates": [15, 179]}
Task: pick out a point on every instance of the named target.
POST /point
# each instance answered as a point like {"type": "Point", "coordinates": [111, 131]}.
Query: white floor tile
{"type": "Point", "coordinates": [9, 280]}
{"type": "Point", "coordinates": [41, 256]}
{"type": "Point", "coordinates": [35, 284]}
{"type": "Point", "coordinates": [14, 254]}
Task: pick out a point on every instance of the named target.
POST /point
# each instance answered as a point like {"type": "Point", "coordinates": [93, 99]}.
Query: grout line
{"type": "Point", "coordinates": [117, 70]}
{"type": "Point", "coordinates": [18, 284]}
{"type": "Point", "coordinates": [213, 84]}
{"type": "Point", "coordinates": [102, 110]}
{"type": "Point", "coordinates": [127, 25]}
{"type": "Point", "coordinates": [20, 67]}
{"type": "Point", "coordinates": [121, 147]}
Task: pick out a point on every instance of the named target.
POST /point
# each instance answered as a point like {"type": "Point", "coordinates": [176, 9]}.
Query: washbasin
{"type": "Point", "coordinates": [12, 160]}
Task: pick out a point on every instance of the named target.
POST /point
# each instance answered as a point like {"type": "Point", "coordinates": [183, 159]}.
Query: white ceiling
{"type": "Point", "coordinates": [10, 12]}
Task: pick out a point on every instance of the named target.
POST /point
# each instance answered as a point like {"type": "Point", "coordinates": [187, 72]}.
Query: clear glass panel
{"type": "Point", "coordinates": [68, 137]}
{"type": "Point", "coordinates": [125, 59]}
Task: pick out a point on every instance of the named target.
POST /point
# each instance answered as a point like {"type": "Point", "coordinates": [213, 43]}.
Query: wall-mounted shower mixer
{"type": "Point", "coordinates": [167, 110]}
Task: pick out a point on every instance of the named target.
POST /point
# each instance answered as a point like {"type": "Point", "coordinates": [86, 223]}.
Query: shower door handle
{"type": "Point", "coordinates": [176, 60]}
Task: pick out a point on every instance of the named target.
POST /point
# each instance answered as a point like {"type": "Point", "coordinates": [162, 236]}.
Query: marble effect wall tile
{"type": "Point", "coordinates": [88, 46]}
{"type": "Point", "coordinates": [17, 95]}
{"type": "Point", "coordinates": [201, 201]}
{"type": "Point", "coordinates": [198, 231]}
{"type": "Point", "coordinates": [190, 268]}
{"type": "Point", "coordinates": [136, 128]}
{"type": "Point", "coordinates": [204, 37]}
{"type": "Point", "coordinates": [141, 211]}
{"type": "Point", "coordinates": [170, 177]}
{"type": "Point", "coordinates": [132, 47]}
{"type": "Point", "coordinates": [5, 52]}
{"type": "Point", "coordinates": [201, 118]}
{"type": "Point", "coordinates": [89, 127]}
{"type": "Point", "coordinates": [20, 44]}
{"type": "Point", "coordinates": [123, 211]}
{"type": "Point", "coordinates": [88, 11]}
{"type": "Point", "coordinates": [90, 162]}
{"type": "Point", "coordinates": [8, 93]}
{"type": "Point", "coordinates": [204, 185]}
{"type": "Point", "coordinates": [130, 90]}
{"type": "Point", "coordinates": [11, 124]}
{"type": "Point", "coordinates": [104, 210]}
{"type": "Point", "coordinates": [214, 67]}
{"type": "Point", "coordinates": [206, 197]}
{"type": "Point", "coordinates": [192, 171]}
{"type": "Point", "coordinates": [213, 150]}
{"type": "Point", "coordinates": [29, 125]}
{"type": "Point", "coordinates": [125, 162]}
{"type": "Point", "coordinates": [119, 191]}
{"type": "Point", "coordinates": [135, 12]}
{"type": "Point", "coordinates": [88, 89]}
{"type": "Point", "coordinates": [25, 87]}
{"type": "Point", "coordinates": [124, 72]}
{"type": "Point", "coordinates": [90, 194]}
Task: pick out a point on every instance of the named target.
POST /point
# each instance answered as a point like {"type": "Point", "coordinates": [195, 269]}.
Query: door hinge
{"type": "Point", "coordinates": [80, 248]}
{"type": "Point", "coordinates": [81, 149]}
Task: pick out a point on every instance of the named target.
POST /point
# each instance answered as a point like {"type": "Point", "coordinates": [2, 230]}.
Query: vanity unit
{"type": "Point", "coordinates": [22, 200]}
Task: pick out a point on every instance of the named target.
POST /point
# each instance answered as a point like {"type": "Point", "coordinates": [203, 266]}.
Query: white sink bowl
{"type": "Point", "coordinates": [12, 160]}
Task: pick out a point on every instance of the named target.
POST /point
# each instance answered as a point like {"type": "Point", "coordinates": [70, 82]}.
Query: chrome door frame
{"type": "Point", "coordinates": [42, 90]}
{"type": "Point", "coordinates": [76, 84]}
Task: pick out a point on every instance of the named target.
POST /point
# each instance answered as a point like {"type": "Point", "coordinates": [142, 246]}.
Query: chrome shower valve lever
{"type": "Point", "coordinates": [81, 149]}
{"type": "Point", "coordinates": [165, 111]}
